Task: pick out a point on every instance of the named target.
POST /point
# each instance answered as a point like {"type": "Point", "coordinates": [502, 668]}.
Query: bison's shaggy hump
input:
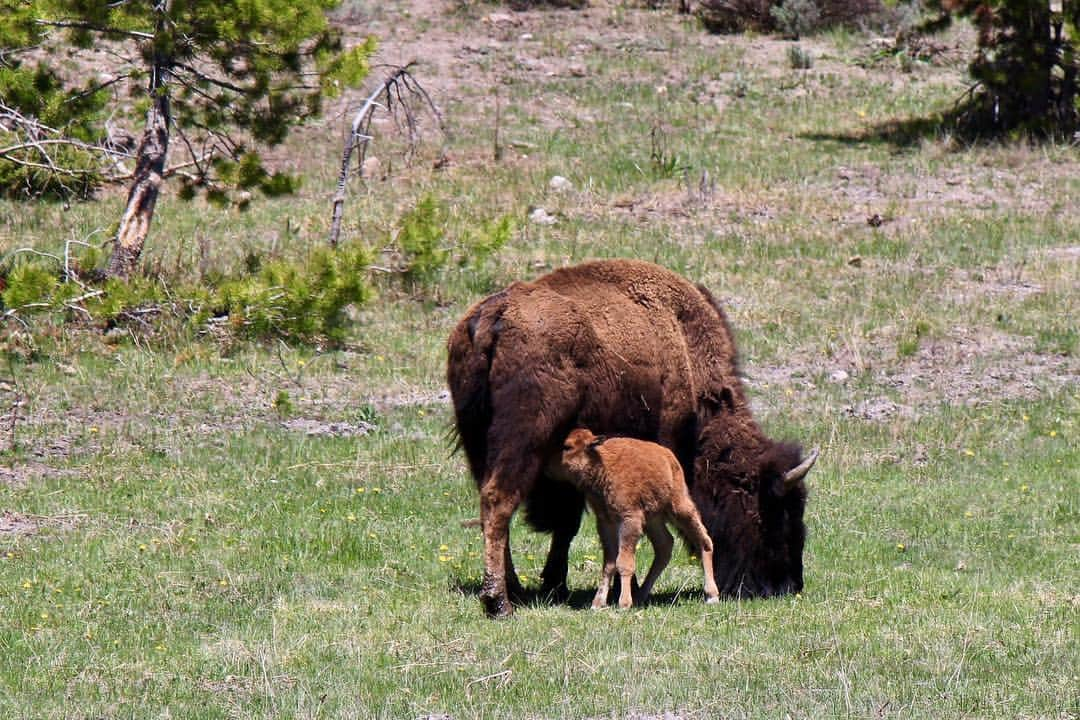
{"type": "Point", "coordinates": [620, 346]}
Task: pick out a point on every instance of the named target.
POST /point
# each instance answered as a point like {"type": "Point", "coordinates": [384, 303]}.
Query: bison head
{"type": "Point", "coordinates": [751, 495]}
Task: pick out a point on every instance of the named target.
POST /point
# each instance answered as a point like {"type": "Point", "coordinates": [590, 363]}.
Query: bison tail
{"type": "Point", "coordinates": [470, 349]}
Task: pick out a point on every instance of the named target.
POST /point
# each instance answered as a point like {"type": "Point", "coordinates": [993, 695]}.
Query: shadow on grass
{"type": "Point", "coordinates": [966, 125]}
{"type": "Point", "coordinates": [581, 599]}
{"type": "Point", "coordinates": [899, 134]}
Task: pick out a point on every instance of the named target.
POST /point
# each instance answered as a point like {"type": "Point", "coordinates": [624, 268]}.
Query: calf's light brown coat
{"type": "Point", "coordinates": [634, 486]}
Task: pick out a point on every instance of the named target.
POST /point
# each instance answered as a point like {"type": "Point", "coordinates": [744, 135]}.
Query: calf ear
{"type": "Point", "coordinates": [597, 441]}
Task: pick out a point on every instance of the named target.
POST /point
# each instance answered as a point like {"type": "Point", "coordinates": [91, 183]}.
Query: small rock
{"type": "Point", "coordinates": [317, 428]}
{"type": "Point", "coordinates": [855, 261]}
{"type": "Point", "coordinates": [578, 70]}
{"type": "Point", "coordinates": [560, 184]}
{"type": "Point", "coordinates": [502, 20]}
{"type": "Point", "coordinates": [372, 167]}
{"type": "Point", "coordinates": [540, 216]}
{"type": "Point", "coordinates": [526, 63]}
{"type": "Point", "coordinates": [875, 220]}
{"type": "Point", "coordinates": [840, 376]}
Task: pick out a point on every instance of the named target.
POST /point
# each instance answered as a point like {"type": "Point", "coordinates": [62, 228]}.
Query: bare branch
{"type": "Point", "coordinates": [398, 85]}
{"type": "Point", "coordinates": [100, 86]}
{"type": "Point", "coordinates": [89, 147]}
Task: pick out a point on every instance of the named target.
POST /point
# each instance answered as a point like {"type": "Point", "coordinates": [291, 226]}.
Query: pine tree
{"type": "Point", "coordinates": [225, 77]}
{"type": "Point", "coordinates": [1025, 68]}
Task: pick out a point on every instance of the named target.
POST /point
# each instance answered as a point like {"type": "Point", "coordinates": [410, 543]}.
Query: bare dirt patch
{"type": "Point", "coordinates": [969, 366]}
{"type": "Point", "coordinates": [318, 428]}
{"type": "Point", "coordinates": [15, 524]}
{"type": "Point", "coordinates": [22, 474]}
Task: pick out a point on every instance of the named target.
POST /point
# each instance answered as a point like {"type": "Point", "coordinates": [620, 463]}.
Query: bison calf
{"type": "Point", "coordinates": [634, 486]}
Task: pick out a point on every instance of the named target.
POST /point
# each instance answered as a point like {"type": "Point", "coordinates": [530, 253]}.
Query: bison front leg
{"type": "Point", "coordinates": [557, 565]}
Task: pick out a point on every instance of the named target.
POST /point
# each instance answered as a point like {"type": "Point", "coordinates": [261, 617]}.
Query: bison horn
{"type": "Point", "coordinates": [798, 472]}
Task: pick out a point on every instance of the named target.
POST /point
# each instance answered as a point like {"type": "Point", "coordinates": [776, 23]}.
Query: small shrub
{"type": "Point", "coordinates": [796, 18]}
{"type": "Point", "coordinates": [421, 242]}
{"type": "Point", "coordinates": [283, 404]}
{"type": "Point", "coordinates": [479, 246]}
{"type": "Point", "coordinates": [28, 283]}
{"type": "Point", "coordinates": [800, 59]}
{"type": "Point", "coordinates": [735, 16]}
{"type": "Point", "coordinates": [305, 300]}
{"type": "Point", "coordinates": [792, 17]}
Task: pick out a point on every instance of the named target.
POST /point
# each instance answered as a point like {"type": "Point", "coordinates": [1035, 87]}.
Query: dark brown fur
{"type": "Point", "coordinates": [625, 348]}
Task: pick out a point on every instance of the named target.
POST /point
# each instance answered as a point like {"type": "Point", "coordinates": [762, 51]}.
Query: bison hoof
{"type": "Point", "coordinates": [712, 600]}
{"type": "Point", "coordinates": [493, 594]}
{"type": "Point", "coordinates": [497, 608]}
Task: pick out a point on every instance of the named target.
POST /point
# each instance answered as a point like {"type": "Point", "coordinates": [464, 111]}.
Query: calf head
{"type": "Point", "coordinates": [579, 451]}
{"type": "Point", "coordinates": [751, 495]}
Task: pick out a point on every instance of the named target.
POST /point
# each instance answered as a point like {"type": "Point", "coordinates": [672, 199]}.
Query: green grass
{"type": "Point", "coordinates": [184, 552]}
{"type": "Point", "coordinates": [327, 576]}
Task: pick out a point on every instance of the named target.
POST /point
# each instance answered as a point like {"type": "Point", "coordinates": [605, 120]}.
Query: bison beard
{"type": "Point", "coordinates": [624, 348]}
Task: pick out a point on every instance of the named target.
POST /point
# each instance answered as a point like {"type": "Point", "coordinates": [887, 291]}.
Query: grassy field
{"type": "Point", "coordinates": [198, 529]}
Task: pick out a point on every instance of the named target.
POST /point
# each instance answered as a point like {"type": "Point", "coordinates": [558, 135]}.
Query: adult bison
{"type": "Point", "coordinates": [621, 347]}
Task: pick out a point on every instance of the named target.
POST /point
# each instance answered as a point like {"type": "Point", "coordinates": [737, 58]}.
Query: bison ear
{"type": "Point", "coordinates": [797, 473]}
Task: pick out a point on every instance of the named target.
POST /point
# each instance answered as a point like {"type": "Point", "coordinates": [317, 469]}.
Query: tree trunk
{"type": "Point", "coordinates": [149, 162]}
{"type": "Point", "coordinates": [145, 185]}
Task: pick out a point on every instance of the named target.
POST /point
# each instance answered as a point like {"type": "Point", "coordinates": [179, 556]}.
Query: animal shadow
{"type": "Point", "coordinates": [579, 599]}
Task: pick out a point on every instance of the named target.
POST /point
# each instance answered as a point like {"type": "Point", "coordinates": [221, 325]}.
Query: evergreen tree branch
{"type": "Point", "coordinates": [107, 31]}
{"type": "Point", "coordinates": [216, 82]}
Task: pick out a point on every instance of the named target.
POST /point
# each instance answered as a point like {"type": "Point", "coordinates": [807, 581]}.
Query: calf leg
{"type": "Point", "coordinates": [608, 530]}
{"type": "Point", "coordinates": [686, 517]}
{"type": "Point", "coordinates": [630, 528]}
{"type": "Point", "coordinates": [662, 542]}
